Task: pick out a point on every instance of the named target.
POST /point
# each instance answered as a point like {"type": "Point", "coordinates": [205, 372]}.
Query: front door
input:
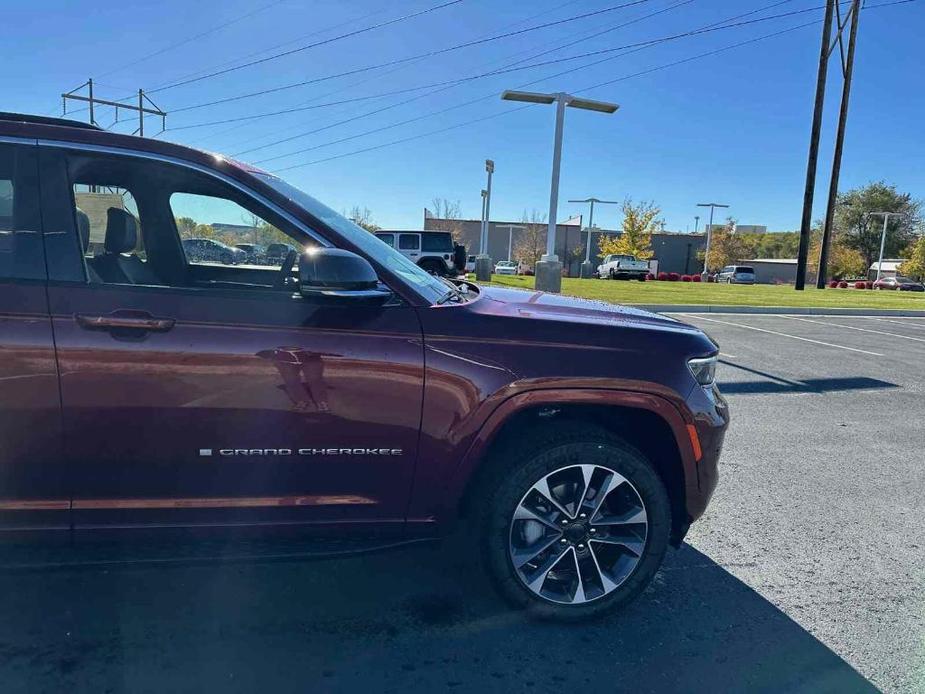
{"type": "Point", "coordinates": [197, 392]}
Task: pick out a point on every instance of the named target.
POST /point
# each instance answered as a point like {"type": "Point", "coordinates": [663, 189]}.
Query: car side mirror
{"type": "Point", "coordinates": [333, 274]}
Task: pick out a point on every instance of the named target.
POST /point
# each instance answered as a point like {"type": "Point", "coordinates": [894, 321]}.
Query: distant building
{"type": "Point", "coordinates": [889, 268]}
{"type": "Point", "coordinates": [742, 228]}
{"type": "Point", "coordinates": [773, 270]}
{"type": "Point", "coordinates": [674, 251]}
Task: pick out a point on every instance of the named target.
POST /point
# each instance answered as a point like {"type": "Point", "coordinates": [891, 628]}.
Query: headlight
{"type": "Point", "coordinates": [704, 370]}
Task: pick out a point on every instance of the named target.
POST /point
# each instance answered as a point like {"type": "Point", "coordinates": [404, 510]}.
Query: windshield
{"type": "Point", "coordinates": [429, 286]}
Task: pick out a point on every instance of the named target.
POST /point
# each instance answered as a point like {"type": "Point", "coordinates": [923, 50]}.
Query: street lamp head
{"type": "Point", "coordinates": [489, 166]}
{"type": "Point", "coordinates": [528, 97]}
{"type": "Point", "coordinates": [592, 105]}
{"type": "Point", "coordinates": [710, 204]}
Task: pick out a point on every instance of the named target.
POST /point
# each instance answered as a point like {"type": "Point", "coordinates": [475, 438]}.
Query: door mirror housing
{"type": "Point", "coordinates": [338, 275]}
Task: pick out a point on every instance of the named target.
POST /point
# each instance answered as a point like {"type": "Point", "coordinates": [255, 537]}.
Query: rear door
{"type": "Point", "coordinates": [33, 482]}
{"type": "Point", "coordinates": [215, 394]}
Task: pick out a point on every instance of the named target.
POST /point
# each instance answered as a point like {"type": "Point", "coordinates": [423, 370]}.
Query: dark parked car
{"type": "Point", "coordinates": [254, 253]}
{"type": "Point", "coordinates": [278, 252]}
{"type": "Point", "coordinates": [347, 391]}
{"type": "Point", "coordinates": [900, 283]}
{"type": "Point", "coordinates": [210, 250]}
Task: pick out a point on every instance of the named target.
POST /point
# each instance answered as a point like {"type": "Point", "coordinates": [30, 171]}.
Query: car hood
{"type": "Point", "coordinates": [555, 307]}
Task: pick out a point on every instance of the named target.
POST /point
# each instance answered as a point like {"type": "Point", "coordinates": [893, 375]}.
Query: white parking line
{"type": "Point", "coordinates": [854, 327]}
{"type": "Point", "coordinates": [793, 337]}
{"type": "Point", "coordinates": [897, 322]}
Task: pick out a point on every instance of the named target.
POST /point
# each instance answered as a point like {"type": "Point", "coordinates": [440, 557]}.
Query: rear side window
{"type": "Point", "coordinates": [409, 242]}
{"type": "Point", "coordinates": [21, 253]}
{"type": "Point", "coordinates": [437, 243]}
{"type": "Point", "coordinates": [387, 239]}
{"type": "Point", "coordinates": [745, 268]}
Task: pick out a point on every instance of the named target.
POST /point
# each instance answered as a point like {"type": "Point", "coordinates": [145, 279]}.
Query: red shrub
{"type": "Point", "coordinates": [860, 285]}
{"type": "Point", "coordinates": [673, 276]}
{"type": "Point", "coordinates": [870, 285]}
{"type": "Point", "coordinates": [663, 276]}
{"type": "Point", "coordinates": [695, 278]}
{"type": "Point", "coordinates": [843, 285]}
{"type": "Point", "coordinates": [685, 278]}
{"type": "Point", "coordinates": [833, 284]}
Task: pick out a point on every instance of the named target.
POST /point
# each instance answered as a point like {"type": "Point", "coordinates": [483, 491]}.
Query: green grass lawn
{"type": "Point", "coordinates": [634, 292]}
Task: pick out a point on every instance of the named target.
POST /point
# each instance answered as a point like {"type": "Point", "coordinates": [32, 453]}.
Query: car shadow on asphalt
{"type": "Point", "coordinates": [419, 619]}
{"type": "Point", "coordinates": [771, 383]}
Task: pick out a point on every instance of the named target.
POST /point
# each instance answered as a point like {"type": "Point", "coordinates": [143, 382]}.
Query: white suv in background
{"type": "Point", "coordinates": [432, 251]}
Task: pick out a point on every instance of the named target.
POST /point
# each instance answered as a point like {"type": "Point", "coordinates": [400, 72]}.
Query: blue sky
{"type": "Point", "coordinates": [732, 127]}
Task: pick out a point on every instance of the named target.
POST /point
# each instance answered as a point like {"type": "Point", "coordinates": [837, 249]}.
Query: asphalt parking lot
{"type": "Point", "coordinates": [806, 574]}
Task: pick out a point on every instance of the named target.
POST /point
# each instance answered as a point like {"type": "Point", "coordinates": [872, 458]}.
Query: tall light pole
{"type": "Point", "coordinates": [483, 260]}
{"type": "Point", "coordinates": [886, 219]}
{"type": "Point", "coordinates": [706, 253]}
{"type": "Point", "coordinates": [510, 236]}
{"type": "Point", "coordinates": [585, 271]}
{"type": "Point", "coordinates": [696, 223]}
{"type": "Point", "coordinates": [549, 269]}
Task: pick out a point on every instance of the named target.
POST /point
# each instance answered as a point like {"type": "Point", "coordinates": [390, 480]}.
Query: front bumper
{"type": "Point", "coordinates": [711, 419]}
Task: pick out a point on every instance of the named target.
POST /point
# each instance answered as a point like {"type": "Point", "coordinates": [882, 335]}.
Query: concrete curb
{"type": "Point", "coordinates": [779, 310]}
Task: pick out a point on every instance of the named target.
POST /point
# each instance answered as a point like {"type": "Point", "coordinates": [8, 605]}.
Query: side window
{"type": "Point", "coordinates": [215, 230]}
{"type": "Point", "coordinates": [21, 254]}
{"type": "Point", "coordinates": [409, 242]}
{"type": "Point", "coordinates": [388, 239]}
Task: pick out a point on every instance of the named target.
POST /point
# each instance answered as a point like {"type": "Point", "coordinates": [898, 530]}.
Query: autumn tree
{"type": "Point", "coordinates": [915, 266]}
{"type": "Point", "coordinates": [727, 246]}
{"type": "Point", "coordinates": [843, 261]}
{"type": "Point", "coordinates": [530, 243]}
{"type": "Point", "coordinates": [640, 220]}
{"type": "Point", "coordinates": [861, 231]}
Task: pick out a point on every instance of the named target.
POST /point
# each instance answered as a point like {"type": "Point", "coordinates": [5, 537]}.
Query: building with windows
{"type": "Point", "coordinates": [674, 251]}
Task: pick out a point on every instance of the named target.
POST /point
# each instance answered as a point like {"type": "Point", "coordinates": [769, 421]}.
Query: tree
{"type": "Point", "coordinates": [363, 217]}
{"type": "Point", "coordinates": [446, 217]}
{"type": "Point", "coordinates": [531, 241]}
{"type": "Point", "coordinates": [635, 238]}
{"type": "Point", "coordinates": [728, 247]}
{"type": "Point", "coordinates": [862, 232]}
{"type": "Point", "coordinates": [844, 261]}
{"type": "Point", "coordinates": [915, 266]}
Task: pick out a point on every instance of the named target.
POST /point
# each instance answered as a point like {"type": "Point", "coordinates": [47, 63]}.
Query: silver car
{"type": "Point", "coordinates": [736, 274]}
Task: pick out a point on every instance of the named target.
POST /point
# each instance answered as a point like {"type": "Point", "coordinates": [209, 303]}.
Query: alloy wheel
{"type": "Point", "coordinates": [578, 534]}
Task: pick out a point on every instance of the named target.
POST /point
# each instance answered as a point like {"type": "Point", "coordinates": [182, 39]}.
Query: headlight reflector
{"type": "Point", "coordinates": [703, 369]}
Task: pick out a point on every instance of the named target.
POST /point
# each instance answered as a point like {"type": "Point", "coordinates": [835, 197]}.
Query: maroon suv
{"type": "Point", "coordinates": [338, 387]}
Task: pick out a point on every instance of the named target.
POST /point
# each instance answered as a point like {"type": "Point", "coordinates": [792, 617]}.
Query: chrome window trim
{"type": "Point", "coordinates": [10, 140]}
{"type": "Point", "coordinates": [120, 151]}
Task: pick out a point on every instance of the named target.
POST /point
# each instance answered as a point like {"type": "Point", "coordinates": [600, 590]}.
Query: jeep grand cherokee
{"type": "Point", "coordinates": [343, 388]}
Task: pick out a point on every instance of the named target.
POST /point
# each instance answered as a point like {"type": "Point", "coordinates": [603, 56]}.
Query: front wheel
{"type": "Point", "coordinates": [576, 529]}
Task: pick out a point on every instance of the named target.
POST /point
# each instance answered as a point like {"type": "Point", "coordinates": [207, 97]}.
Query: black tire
{"type": "Point", "coordinates": [641, 278]}
{"type": "Point", "coordinates": [564, 446]}
{"type": "Point", "coordinates": [613, 275]}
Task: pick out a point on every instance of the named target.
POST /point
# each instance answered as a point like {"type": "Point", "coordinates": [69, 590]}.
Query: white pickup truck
{"type": "Point", "coordinates": [622, 267]}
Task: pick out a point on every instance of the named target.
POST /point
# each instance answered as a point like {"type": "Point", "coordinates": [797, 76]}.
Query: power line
{"type": "Point", "coordinates": [501, 113]}
{"type": "Point", "coordinates": [397, 61]}
{"type": "Point", "coordinates": [323, 42]}
{"type": "Point", "coordinates": [389, 72]}
{"type": "Point", "coordinates": [584, 89]}
{"type": "Point", "coordinates": [183, 42]}
{"type": "Point", "coordinates": [511, 67]}
{"type": "Point", "coordinates": [722, 24]}
{"type": "Point", "coordinates": [421, 96]}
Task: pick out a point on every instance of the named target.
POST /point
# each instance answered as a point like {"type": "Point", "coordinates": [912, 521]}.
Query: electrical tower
{"type": "Point", "coordinates": [833, 14]}
{"type": "Point", "coordinates": [92, 101]}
